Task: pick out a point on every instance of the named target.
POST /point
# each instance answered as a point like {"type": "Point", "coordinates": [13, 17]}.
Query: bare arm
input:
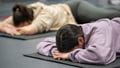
{"type": "Point", "coordinates": [8, 20]}
{"type": "Point", "coordinates": [6, 26]}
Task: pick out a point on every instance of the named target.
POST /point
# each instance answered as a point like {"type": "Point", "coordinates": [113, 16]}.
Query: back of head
{"type": "Point", "coordinates": [21, 14]}
{"type": "Point", "coordinates": [67, 36]}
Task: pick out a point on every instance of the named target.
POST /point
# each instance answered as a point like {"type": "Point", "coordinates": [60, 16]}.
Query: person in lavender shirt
{"type": "Point", "coordinates": [97, 42]}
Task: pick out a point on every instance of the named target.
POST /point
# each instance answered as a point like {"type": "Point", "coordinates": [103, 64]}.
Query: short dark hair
{"type": "Point", "coordinates": [67, 36]}
{"type": "Point", "coordinates": [21, 13]}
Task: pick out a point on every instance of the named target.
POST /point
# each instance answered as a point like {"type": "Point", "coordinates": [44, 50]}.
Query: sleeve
{"type": "Point", "coordinates": [99, 50]}
{"type": "Point", "coordinates": [43, 21]}
{"type": "Point", "coordinates": [47, 46]}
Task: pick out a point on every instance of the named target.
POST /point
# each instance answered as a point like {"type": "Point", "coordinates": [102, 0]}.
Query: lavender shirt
{"type": "Point", "coordinates": [102, 39]}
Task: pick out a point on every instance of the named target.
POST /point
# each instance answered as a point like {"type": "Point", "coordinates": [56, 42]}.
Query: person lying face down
{"type": "Point", "coordinates": [96, 42]}
{"type": "Point", "coordinates": [37, 18]}
{"type": "Point", "coordinates": [22, 16]}
{"type": "Point", "coordinates": [69, 37]}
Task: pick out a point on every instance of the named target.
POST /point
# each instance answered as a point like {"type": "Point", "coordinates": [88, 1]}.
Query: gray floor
{"type": "Point", "coordinates": [11, 55]}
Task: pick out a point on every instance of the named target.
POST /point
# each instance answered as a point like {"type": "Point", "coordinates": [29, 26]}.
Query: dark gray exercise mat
{"type": "Point", "coordinates": [115, 64]}
{"type": "Point", "coordinates": [26, 37]}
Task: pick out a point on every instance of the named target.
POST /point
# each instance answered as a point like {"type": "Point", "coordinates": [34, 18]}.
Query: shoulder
{"type": "Point", "coordinates": [99, 24]}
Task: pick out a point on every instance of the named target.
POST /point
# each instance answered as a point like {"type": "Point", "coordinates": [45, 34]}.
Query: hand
{"type": "Point", "coordinates": [27, 30]}
{"type": "Point", "coordinates": [57, 55]}
{"type": "Point", "coordinates": [24, 30]}
{"type": "Point", "coordinates": [9, 29]}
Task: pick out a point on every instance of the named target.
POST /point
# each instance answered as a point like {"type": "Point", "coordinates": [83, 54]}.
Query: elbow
{"type": "Point", "coordinates": [105, 60]}
{"type": "Point", "coordinates": [108, 60]}
{"type": "Point", "coordinates": [41, 49]}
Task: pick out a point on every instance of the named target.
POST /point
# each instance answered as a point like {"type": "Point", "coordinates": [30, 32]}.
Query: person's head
{"type": "Point", "coordinates": [69, 37]}
{"type": "Point", "coordinates": [22, 15]}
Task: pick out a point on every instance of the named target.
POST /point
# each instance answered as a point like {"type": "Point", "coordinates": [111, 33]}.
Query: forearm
{"type": "Point", "coordinates": [3, 27]}
{"type": "Point", "coordinates": [27, 30]}
{"type": "Point", "coordinates": [92, 56]}
{"type": "Point", "coordinates": [4, 23]}
{"type": "Point", "coordinates": [8, 20]}
{"type": "Point", "coordinates": [46, 46]}
{"type": "Point", "coordinates": [32, 29]}
{"type": "Point", "coordinates": [80, 56]}
{"type": "Point", "coordinates": [8, 28]}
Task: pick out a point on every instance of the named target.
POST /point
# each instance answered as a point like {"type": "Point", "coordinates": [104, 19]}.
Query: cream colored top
{"type": "Point", "coordinates": [49, 17]}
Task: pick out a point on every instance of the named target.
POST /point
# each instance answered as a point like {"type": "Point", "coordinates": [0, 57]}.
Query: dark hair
{"type": "Point", "coordinates": [21, 13]}
{"type": "Point", "coordinates": [67, 36]}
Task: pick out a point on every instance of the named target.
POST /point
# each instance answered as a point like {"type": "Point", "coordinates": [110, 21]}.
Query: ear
{"type": "Point", "coordinates": [80, 42]}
